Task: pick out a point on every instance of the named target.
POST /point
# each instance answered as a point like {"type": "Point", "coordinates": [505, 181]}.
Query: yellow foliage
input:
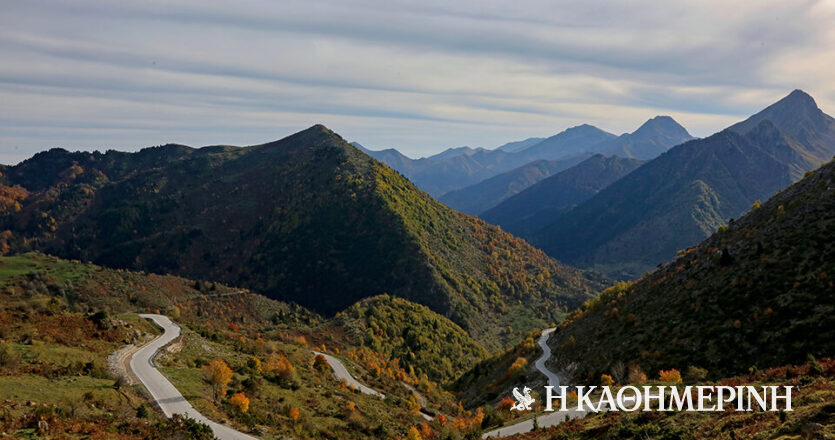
{"type": "Point", "coordinates": [672, 375]}
{"type": "Point", "coordinates": [240, 402]}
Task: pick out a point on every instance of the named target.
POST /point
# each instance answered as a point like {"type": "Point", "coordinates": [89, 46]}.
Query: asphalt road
{"type": "Point", "coordinates": [549, 419]}
{"type": "Point", "coordinates": [553, 379]}
{"type": "Point", "coordinates": [342, 373]}
{"type": "Point", "coordinates": [164, 393]}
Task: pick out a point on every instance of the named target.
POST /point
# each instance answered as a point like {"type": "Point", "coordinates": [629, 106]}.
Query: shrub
{"type": "Point", "coordinates": [606, 380]}
{"type": "Point", "coordinates": [240, 402]}
{"type": "Point", "coordinates": [695, 374]}
{"type": "Point", "coordinates": [9, 357]}
{"type": "Point", "coordinates": [517, 367]}
{"type": "Point", "coordinates": [636, 375]}
{"type": "Point", "coordinates": [672, 375]}
{"type": "Point", "coordinates": [321, 364]}
{"type": "Point", "coordinates": [294, 414]}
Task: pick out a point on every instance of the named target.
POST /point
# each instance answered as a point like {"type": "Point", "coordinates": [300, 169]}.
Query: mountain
{"type": "Point", "coordinates": [540, 204]}
{"type": "Point", "coordinates": [459, 168]}
{"type": "Point", "coordinates": [308, 219]}
{"type": "Point", "coordinates": [571, 142]}
{"type": "Point", "coordinates": [452, 152]}
{"type": "Point", "coordinates": [685, 194]}
{"type": "Point", "coordinates": [513, 147]}
{"type": "Point", "coordinates": [756, 294]}
{"type": "Point", "coordinates": [651, 139]}
{"type": "Point", "coordinates": [482, 196]}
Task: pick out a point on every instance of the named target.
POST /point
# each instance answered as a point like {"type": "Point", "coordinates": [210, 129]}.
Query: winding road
{"type": "Point", "coordinates": [553, 379]}
{"type": "Point", "coordinates": [164, 393]}
{"type": "Point", "coordinates": [549, 419]}
{"type": "Point", "coordinates": [342, 373]}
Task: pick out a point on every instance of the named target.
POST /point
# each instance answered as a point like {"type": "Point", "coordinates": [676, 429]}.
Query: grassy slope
{"type": "Point", "coordinates": [47, 318]}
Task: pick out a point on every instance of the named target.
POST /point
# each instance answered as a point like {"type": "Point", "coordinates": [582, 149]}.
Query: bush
{"type": "Point", "coordinates": [240, 402]}
{"type": "Point", "coordinates": [636, 375]}
{"type": "Point", "coordinates": [606, 380]}
{"type": "Point", "coordinates": [9, 357]}
{"type": "Point", "coordinates": [672, 375]}
{"type": "Point", "coordinates": [695, 374]}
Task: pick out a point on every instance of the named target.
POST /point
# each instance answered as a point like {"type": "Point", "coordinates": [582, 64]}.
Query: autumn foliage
{"type": "Point", "coordinates": [321, 364]}
{"type": "Point", "coordinates": [278, 365]}
{"type": "Point", "coordinates": [218, 375]}
{"type": "Point", "coordinates": [672, 375]}
{"type": "Point", "coordinates": [240, 402]}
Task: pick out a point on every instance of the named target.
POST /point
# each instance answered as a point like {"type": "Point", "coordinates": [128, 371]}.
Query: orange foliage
{"type": "Point", "coordinates": [506, 403]}
{"type": "Point", "coordinates": [320, 363]}
{"type": "Point", "coordinates": [240, 402]}
{"type": "Point", "coordinates": [294, 414]}
{"type": "Point", "coordinates": [218, 374]}
{"type": "Point", "coordinates": [671, 375]}
{"type": "Point", "coordinates": [279, 365]}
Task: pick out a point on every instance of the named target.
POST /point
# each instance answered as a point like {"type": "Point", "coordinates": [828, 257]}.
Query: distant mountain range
{"type": "Point", "coordinates": [307, 219]}
{"type": "Point", "coordinates": [685, 194]}
{"type": "Point", "coordinates": [458, 168]}
{"type": "Point", "coordinates": [756, 294]}
{"type": "Point", "coordinates": [480, 197]}
{"type": "Point", "coordinates": [538, 205]}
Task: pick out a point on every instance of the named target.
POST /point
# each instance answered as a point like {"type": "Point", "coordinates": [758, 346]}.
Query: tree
{"type": "Point", "coordinates": [606, 380]}
{"type": "Point", "coordinates": [320, 363]}
{"type": "Point", "coordinates": [218, 375]}
{"type": "Point", "coordinates": [240, 402]}
{"type": "Point", "coordinates": [278, 365]}
{"type": "Point", "coordinates": [671, 375]}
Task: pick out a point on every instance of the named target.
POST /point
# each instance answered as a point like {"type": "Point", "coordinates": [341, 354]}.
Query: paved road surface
{"type": "Point", "coordinates": [549, 419]}
{"type": "Point", "coordinates": [342, 373]}
{"type": "Point", "coordinates": [163, 392]}
{"type": "Point", "coordinates": [553, 379]}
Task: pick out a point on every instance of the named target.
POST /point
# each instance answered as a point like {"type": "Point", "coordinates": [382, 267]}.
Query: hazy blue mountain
{"type": "Point", "coordinates": [486, 194]}
{"type": "Point", "coordinates": [681, 197]}
{"type": "Point", "coordinates": [513, 147]}
{"type": "Point", "coordinates": [571, 142]}
{"type": "Point", "coordinates": [458, 168]}
{"type": "Point", "coordinates": [541, 203]}
{"type": "Point", "coordinates": [654, 137]}
{"type": "Point", "coordinates": [452, 152]}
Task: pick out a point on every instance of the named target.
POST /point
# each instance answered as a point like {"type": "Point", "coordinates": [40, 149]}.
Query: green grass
{"type": "Point", "coordinates": [33, 262]}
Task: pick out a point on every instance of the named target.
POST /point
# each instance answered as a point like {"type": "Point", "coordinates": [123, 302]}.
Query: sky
{"type": "Point", "coordinates": [419, 76]}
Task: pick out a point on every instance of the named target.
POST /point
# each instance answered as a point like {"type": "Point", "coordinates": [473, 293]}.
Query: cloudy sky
{"type": "Point", "coordinates": [419, 76]}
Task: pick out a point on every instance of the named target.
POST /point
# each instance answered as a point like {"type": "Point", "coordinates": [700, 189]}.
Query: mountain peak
{"type": "Point", "coordinates": [663, 123]}
{"type": "Point", "coordinates": [793, 115]}
{"type": "Point", "coordinates": [316, 135]}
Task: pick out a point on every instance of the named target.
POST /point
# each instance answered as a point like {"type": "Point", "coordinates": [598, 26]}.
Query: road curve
{"type": "Point", "coordinates": [553, 379]}
{"type": "Point", "coordinates": [342, 373]}
{"type": "Point", "coordinates": [164, 393]}
{"type": "Point", "coordinates": [550, 419]}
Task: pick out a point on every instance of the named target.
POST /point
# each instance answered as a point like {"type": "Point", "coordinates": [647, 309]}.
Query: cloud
{"type": "Point", "coordinates": [417, 76]}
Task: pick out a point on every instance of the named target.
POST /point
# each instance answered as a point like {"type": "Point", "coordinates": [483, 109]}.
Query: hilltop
{"type": "Point", "coordinates": [308, 219]}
